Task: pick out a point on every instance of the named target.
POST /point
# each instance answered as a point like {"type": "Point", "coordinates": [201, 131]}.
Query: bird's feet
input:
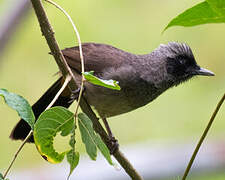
{"type": "Point", "coordinates": [113, 144]}
{"type": "Point", "coordinates": [112, 141]}
{"type": "Point", "coordinates": [75, 94]}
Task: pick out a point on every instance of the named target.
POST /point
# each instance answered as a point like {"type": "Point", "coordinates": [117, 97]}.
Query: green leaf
{"type": "Point", "coordinates": [201, 13]}
{"type": "Point", "coordinates": [72, 156]}
{"type": "Point", "coordinates": [111, 84]}
{"type": "Point", "coordinates": [91, 139]}
{"type": "Point", "coordinates": [87, 135]}
{"type": "Point", "coordinates": [2, 178]}
{"type": "Point", "coordinates": [51, 121]}
{"type": "Point", "coordinates": [73, 160]}
{"type": "Point", "coordinates": [19, 104]}
{"type": "Point", "coordinates": [103, 148]}
{"type": "Point", "coordinates": [218, 6]}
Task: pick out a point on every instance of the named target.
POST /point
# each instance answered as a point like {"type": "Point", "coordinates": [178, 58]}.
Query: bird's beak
{"type": "Point", "coordinates": [204, 72]}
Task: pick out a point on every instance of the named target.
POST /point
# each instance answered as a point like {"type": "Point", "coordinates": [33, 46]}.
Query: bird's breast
{"type": "Point", "coordinates": [110, 102]}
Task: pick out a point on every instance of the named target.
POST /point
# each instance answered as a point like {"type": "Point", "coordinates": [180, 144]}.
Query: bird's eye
{"type": "Point", "coordinates": [182, 61]}
{"type": "Point", "coordinates": [177, 66]}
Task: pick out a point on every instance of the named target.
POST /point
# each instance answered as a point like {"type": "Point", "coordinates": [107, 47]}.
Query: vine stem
{"type": "Point", "coordinates": [68, 78]}
{"type": "Point", "coordinates": [203, 137]}
{"type": "Point", "coordinates": [16, 154]}
{"type": "Point", "coordinates": [82, 67]}
{"type": "Point", "coordinates": [80, 50]}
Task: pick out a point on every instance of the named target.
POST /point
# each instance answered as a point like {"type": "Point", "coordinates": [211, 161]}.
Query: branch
{"type": "Point", "coordinates": [17, 152]}
{"type": "Point", "coordinates": [48, 33]}
{"type": "Point", "coordinates": [203, 137]}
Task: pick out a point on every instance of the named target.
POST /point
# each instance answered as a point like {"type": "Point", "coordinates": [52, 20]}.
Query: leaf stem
{"type": "Point", "coordinates": [67, 80]}
{"type": "Point", "coordinates": [80, 50]}
{"type": "Point", "coordinates": [16, 154]}
{"type": "Point", "coordinates": [203, 137]}
{"type": "Point", "coordinates": [82, 69]}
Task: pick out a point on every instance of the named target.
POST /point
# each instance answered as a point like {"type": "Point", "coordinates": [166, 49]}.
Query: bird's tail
{"type": "Point", "coordinates": [22, 128]}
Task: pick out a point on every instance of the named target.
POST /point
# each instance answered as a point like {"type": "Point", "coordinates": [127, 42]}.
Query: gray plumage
{"type": "Point", "coordinates": [142, 78]}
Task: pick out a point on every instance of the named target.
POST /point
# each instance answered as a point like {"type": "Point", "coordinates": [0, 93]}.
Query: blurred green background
{"type": "Point", "coordinates": [134, 26]}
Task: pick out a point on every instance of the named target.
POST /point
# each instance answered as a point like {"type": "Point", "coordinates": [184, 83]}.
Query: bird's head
{"type": "Point", "coordinates": [180, 62]}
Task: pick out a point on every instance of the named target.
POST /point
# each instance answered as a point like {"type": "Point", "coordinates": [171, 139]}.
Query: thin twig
{"type": "Point", "coordinates": [80, 50]}
{"type": "Point", "coordinates": [82, 65]}
{"type": "Point", "coordinates": [78, 37]}
{"type": "Point", "coordinates": [67, 80]}
{"type": "Point", "coordinates": [203, 137]}
{"type": "Point", "coordinates": [48, 33]}
{"type": "Point", "coordinates": [16, 154]}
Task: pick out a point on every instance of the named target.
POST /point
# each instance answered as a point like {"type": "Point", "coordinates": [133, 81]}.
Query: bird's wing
{"type": "Point", "coordinates": [97, 57]}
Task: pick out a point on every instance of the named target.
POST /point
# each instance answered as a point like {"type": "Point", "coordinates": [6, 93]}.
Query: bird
{"type": "Point", "coordinates": [142, 79]}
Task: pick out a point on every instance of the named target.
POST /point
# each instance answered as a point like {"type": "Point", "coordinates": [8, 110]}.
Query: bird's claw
{"type": "Point", "coordinates": [75, 94]}
{"type": "Point", "coordinates": [113, 145]}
